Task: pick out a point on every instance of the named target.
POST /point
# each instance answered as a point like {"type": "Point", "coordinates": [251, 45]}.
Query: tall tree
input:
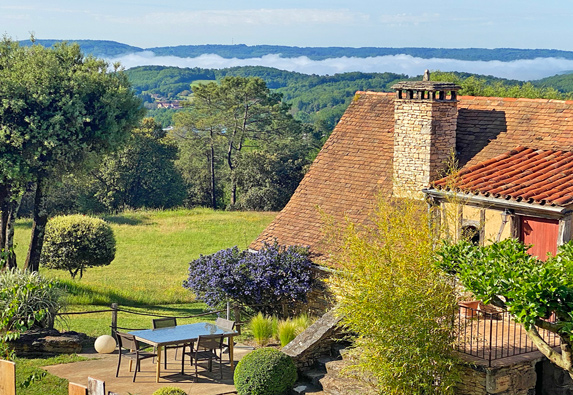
{"type": "Point", "coordinates": [202, 126]}
{"type": "Point", "coordinates": [241, 112]}
{"type": "Point", "coordinates": [57, 107]}
{"type": "Point", "coordinates": [142, 173]}
{"type": "Point", "coordinates": [253, 115]}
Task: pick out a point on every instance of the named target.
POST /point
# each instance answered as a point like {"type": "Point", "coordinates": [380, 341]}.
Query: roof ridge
{"type": "Point", "coordinates": [514, 99]}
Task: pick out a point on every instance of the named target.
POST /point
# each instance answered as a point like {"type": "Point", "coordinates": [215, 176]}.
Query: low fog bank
{"type": "Point", "coordinates": [526, 69]}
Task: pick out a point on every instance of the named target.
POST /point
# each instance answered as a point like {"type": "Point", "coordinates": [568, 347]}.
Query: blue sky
{"type": "Point", "coordinates": [405, 23]}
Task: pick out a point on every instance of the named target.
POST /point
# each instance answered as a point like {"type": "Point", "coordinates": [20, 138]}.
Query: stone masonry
{"type": "Point", "coordinates": [425, 121]}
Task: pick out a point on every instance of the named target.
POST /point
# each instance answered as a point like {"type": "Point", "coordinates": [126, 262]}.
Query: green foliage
{"type": "Point", "coordinates": [170, 391]}
{"type": "Point", "coordinates": [396, 301]}
{"type": "Point", "coordinates": [262, 328]}
{"type": "Point", "coordinates": [481, 86]}
{"type": "Point", "coordinates": [142, 174]}
{"type": "Point", "coordinates": [239, 147]}
{"type": "Point", "coordinates": [59, 108]}
{"type": "Point", "coordinates": [27, 300]}
{"type": "Point", "coordinates": [76, 242]}
{"type": "Point", "coordinates": [265, 371]}
{"type": "Point", "coordinates": [531, 289]}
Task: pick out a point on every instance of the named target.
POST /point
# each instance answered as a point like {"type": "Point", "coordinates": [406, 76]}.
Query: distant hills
{"type": "Point", "coordinates": [111, 49]}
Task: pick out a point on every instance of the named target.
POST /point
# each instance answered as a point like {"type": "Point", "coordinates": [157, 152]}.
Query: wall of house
{"type": "Point", "coordinates": [456, 215]}
{"type": "Point", "coordinates": [493, 221]}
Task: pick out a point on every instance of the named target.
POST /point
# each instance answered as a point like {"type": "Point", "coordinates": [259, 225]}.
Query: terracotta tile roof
{"type": "Point", "coordinates": [353, 166]}
{"type": "Point", "coordinates": [356, 161]}
{"type": "Point", "coordinates": [491, 126]}
{"type": "Point", "coordinates": [525, 175]}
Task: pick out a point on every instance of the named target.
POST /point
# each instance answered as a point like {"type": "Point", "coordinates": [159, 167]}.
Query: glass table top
{"type": "Point", "coordinates": [180, 333]}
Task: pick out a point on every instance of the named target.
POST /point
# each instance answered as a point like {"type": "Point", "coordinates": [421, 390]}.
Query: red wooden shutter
{"type": "Point", "coordinates": [540, 232]}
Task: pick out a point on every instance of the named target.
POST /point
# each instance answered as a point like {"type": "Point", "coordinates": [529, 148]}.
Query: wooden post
{"type": "Point", "coordinates": [96, 387]}
{"type": "Point", "coordinates": [114, 319]}
{"type": "Point", "coordinates": [77, 389]}
{"type": "Point", "coordinates": [7, 378]}
{"type": "Point", "coordinates": [228, 310]}
{"type": "Point", "coordinates": [237, 316]}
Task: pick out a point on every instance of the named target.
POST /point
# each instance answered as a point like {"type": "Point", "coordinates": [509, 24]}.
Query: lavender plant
{"type": "Point", "coordinates": [270, 277]}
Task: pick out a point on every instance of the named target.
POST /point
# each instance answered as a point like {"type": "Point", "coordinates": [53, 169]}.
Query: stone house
{"type": "Point", "coordinates": [515, 179]}
{"type": "Point", "coordinates": [514, 159]}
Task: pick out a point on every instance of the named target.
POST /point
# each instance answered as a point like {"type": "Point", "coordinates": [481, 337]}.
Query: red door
{"type": "Point", "coordinates": [541, 233]}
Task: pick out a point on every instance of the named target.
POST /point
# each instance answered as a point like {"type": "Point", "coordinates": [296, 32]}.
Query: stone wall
{"type": "Point", "coordinates": [424, 139]}
{"type": "Point", "coordinates": [516, 379]}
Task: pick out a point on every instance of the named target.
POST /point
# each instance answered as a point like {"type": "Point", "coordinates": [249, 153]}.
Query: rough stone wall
{"type": "Point", "coordinates": [317, 340]}
{"type": "Point", "coordinates": [517, 379]}
{"type": "Point", "coordinates": [424, 139]}
{"type": "Point", "coordinates": [554, 380]}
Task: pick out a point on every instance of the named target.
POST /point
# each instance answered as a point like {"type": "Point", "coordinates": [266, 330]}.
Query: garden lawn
{"type": "Point", "coordinates": [154, 249]}
{"type": "Point", "coordinates": [32, 380]}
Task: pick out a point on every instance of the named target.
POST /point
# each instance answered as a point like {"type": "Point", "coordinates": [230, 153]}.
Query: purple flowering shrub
{"type": "Point", "coordinates": [270, 277]}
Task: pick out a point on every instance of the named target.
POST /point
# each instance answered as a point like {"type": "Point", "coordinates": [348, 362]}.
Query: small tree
{"type": "Point", "coordinates": [531, 290]}
{"type": "Point", "coordinates": [271, 277]}
{"type": "Point", "coordinates": [76, 242]}
{"type": "Point", "coordinates": [396, 301]}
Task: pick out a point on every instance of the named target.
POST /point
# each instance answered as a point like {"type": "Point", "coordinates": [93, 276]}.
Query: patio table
{"type": "Point", "coordinates": [181, 334]}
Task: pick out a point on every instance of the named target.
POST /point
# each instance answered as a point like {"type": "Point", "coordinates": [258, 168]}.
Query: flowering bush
{"type": "Point", "coordinates": [270, 277]}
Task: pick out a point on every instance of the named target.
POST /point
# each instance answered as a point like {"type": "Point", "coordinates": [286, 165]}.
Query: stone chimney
{"type": "Point", "coordinates": [425, 119]}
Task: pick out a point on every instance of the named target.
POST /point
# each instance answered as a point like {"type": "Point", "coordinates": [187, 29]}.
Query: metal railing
{"type": "Point", "coordinates": [494, 335]}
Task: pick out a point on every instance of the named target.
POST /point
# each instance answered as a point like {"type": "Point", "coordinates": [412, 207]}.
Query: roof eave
{"type": "Point", "coordinates": [499, 204]}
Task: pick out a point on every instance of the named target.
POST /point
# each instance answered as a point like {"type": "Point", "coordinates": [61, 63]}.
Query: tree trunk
{"type": "Point", "coordinates": [13, 212]}
{"type": "Point", "coordinates": [212, 164]}
{"type": "Point", "coordinates": [38, 228]}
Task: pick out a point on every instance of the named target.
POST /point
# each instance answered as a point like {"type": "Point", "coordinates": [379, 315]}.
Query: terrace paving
{"type": "Point", "coordinates": [103, 367]}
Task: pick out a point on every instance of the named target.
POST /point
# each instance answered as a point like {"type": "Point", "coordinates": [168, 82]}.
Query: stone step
{"type": "Point", "coordinates": [313, 376]}
{"type": "Point", "coordinates": [322, 361]}
{"type": "Point", "coordinates": [303, 388]}
{"type": "Point", "coordinates": [335, 383]}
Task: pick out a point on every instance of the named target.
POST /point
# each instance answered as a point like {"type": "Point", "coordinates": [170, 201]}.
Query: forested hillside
{"type": "Point", "coordinates": [314, 98]}
{"type": "Point", "coordinates": [321, 100]}
{"type": "Point", "coordinates": [241, 51]}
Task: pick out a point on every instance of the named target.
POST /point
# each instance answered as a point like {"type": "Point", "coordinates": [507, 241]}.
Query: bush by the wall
{"type": "Point", "coordinates": [268, 278]}
{"type": "Point", "coordinates": [76, 242]}
{"type": "Point", "coordinates": [265, 371]}
{"type": "Point", "coordinates": [170, 391]}
{"type": "Point", "coordinates": [27, 300]}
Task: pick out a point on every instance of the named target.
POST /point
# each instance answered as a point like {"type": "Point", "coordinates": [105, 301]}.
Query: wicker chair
{"type": "Point", "coordinates": [129, 343]}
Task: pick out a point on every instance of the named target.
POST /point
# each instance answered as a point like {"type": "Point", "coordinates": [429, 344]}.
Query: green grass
{"type": "Point", "coordinates": [32, 380]}
{"type": "Point", "coordinates": [154, 249]}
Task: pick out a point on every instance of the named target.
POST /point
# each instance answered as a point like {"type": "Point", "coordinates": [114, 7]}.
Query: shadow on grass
{"type": "Point", "coordinates": [91, 296]}
{"type": "Point", "coordinates": [123, 220]}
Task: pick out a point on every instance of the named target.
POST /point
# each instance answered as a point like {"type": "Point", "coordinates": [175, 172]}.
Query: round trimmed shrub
{"type": "Point", "coordinates": [265, 371]}
{"type": "Point", "coordinates": [76, 242]}
{"type": "Point", "coordinates": [170, 391]}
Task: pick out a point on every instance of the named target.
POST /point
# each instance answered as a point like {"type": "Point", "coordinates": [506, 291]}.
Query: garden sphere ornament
{"type": "Point", "coordinates": [105, 344]}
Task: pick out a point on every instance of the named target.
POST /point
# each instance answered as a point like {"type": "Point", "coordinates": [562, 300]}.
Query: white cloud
{"type": "Point", "coordinates": [409, 19]}
{"type": "Point", "coordinates": [519, 69]}
{"type": "Point", "coordinates": [257, 17]}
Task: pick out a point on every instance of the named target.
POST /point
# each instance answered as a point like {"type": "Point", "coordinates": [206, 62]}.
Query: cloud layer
{"type": "Point", "coordinates": [528, 69]}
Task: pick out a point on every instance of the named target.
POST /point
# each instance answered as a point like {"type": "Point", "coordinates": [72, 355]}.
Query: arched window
{"type": "Point", "coordinates": [472, 234]}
